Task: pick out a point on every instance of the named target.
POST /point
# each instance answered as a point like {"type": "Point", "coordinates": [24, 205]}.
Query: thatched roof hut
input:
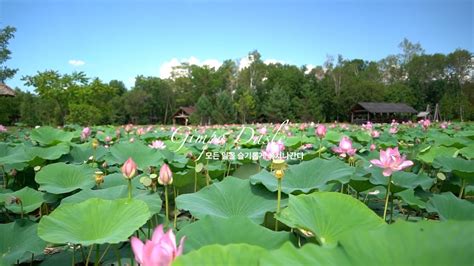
{"type": "Point", "coordinates": [181, 116]}
{"type": "Point", "coordinates": [379, 112]}
{"type": "Point", "coordinates": [6, 91]}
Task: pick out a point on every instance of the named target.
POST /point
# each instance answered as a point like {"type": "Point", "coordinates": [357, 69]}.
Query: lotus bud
{"type": "Point", "coordinates": [99, 177]}
{"type": "Point", "coordinates": [37, 168]}
{"type": "Point", "coordinates": [95, 144]}
{"type": "Point", "coordinates": [129, 169]}
{"type": "Point", "coordinates": [166, 176]}
{"type": "Point", "coordinates": [321, 131]}
{"type": "Point", "coordinates": [279, 174]}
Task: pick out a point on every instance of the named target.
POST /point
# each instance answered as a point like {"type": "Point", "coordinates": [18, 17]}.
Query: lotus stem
{"type": "Point", "coordinates": [129, 188]}
{"type": "Point", "coordinates": [97, 255]}
{"type": "Point", "coordinates": [166, 205]}
{"type": "Point", "coordinates": [320, 146]}
{"type": "Point", "coordinates": [105, 252]}
{"type": "Point", "coordinates": [175, 212]}
{"type": "Point", "coordinates": [386, 197]}
{"type": "Point", "coordinates": [73, 255]}
{"type": "Point", "coordinates": [195, 177]}
{"type": "Point", "coordinates": [117, 254]}
{"type": "Point", "coordinates": [89, 254]}
{"type": "Point", "coordinates": [207, 173]}
{"type": "Point", "coordinates": [463, 185]}
{"type": "Point", "coordinates": [278, 202]}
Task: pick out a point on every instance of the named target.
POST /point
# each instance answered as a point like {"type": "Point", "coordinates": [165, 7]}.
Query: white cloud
{"type": "Point", "coordinates": [168, 67]}
{"type": "Point", "coordinates": [76, 63]}
{"type": "Point", "coordinates": [273, 61]}
{"type": "Point", "coordinates": [309, 67]}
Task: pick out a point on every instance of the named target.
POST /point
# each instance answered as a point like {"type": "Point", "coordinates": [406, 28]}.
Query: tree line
{"type": "Point", "coordinates": [259, 92]}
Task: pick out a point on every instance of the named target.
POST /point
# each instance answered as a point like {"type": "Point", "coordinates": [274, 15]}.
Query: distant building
{"type": "Point", "coordinates": [6, 91]}
{"type": "Point", "coordinates": [380, 112]}
{"type": "Point", "coordinates": [181, 117]}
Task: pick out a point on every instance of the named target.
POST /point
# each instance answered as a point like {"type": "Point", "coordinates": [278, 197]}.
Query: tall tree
{"type": "Point", "coordinates": [5, 35]}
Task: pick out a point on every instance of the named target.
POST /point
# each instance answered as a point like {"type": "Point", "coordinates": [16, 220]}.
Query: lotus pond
{"type": "Point", "coordinates": [287, 194]}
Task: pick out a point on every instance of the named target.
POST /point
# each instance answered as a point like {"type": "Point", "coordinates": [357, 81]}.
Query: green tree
{"type": "Point", "coordinates": [6, 34]}
{"type": "Point", "coordinates": [224, 112]}
{"type": "Point", "coordinates": [56, 87]}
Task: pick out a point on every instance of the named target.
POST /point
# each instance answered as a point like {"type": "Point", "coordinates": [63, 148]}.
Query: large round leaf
{"type": "Point", "coordinates": [230, 255]}
{"type": "Point", "coordinates": [48, 135]}
{"type": "Point", "coordinates": [94, 221]}
{"type": "Point", "coordinates": [461, 167]}
{"type": "Point", "coordinates": [451, 208]}
{"type": "Point", "coordinates": [48, 153]}
{"type": "Point", "coordinates": [231, 197]}
{"type": "Point", "coordinates": [143, 155]}
{"type": "Point", "coordinates": [30, 199]}
{"type": "Point", "coordinates": [429, 155]}
{"type": "Point", "coordinates": [402, 243]}
{"type": "Point", "coordinates": [152, 200]}
{"type": "Point", "coordinates": [328, 215]}
{"type": "Point", "coordinates": [306, 176]}
{"type": "Point", "coordinates": [60, 178]}
{"type": "Point", "coordinates": [19, 240]}
{"type": "Point", "coordinates": [214, 230]}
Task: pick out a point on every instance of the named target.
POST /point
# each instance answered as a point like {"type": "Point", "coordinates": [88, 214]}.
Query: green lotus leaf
{"type": "Point", "coordinates": [60, 178]}
{"type": "Point", "coordinates": [229, 255]}
{"type": "Point", "coordinates": [82, 152]}
{"type": "Point", "coordinates": [152, 200]}
{"type": "Point", "coordinates": [402, 243]}
{"type": "Point", "coordinates": [306, 176]}
{"type": "Point", "coordinates": [234, 230]}
{"type": "Point", "coordinates": [30, 199]}
{"type": "Point", "coordinates": [94, 221]}
{"type": "Point", "coordinates": [19, 240]}
{"type": "Point", "coordinates": [408, 196]}
{"type": "Point", "coordinates": [429, 155]}
{"type": "Point", "coordinates": [333, 136]}
{"type": "Point", "coordinates": [328, 215]}
{"type": "Point", "coordinates": [228, 198]}
{"type": "Point", "coordinates": [141, 154]}
{"type": "Point", "coordinates": [49, 136]}
{"type": "Point", "coordinates": [401, 180]}
{"type": "Point", "coordinates": [468, 152]}
{"type": "Point", "coordinates": [449, 207]}
{"type": "Point", "coordinates": [48, 153]}
{"type": "Point", "coordinates": [459, 166]}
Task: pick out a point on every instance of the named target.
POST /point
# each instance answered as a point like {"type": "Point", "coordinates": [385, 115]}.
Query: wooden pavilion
{"type": "Point", "coordinates": [6, 91]}
{"type": "Point", "coordinates": [380, 112]}
{"type": "Point", "coordinates": [181, 117]}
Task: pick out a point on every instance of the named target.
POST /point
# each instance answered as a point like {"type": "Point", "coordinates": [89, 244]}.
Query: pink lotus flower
{"type": "Point", "coordinates": [367, 126]}
{"type": "Point", "coordinates": [375, 134]}
{"type": "Point", "coordinates": [444, 125]}
{"type": "Point", "coordinates": [157, 144]}
{"type": "Point", "coordinates": [372, 147]}
{"type": "Point", "coordinates": [262, 131]}
{"type": "Point", "coordinates": [129, 169]}
{"type": "Point", "coordinates": [391, 161]}
{"type": "Point", "coordinates": [321, 131]}
{"type": "Point", "coordinates": [108, 139]}
{"type": "Point", "coordinates": [166, 176]}
{"type": "Point", "coordinates": [161, 250]}
{"type": "Point", "coordinates": [345, 148]}
{"type": "Point", "coordinates": [86, 132]}
{"type": "Point", "coordinates": [3, 129]}
{"type": "Point", "coordinates": [425, 123]}
{"type": "Point", "coordinates": [393, 130]}
{"type": "Point", "coordinates": [273, 150]}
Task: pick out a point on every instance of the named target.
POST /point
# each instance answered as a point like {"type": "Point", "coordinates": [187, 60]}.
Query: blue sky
{"type": "Point", "coordinates": [122, 39]}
